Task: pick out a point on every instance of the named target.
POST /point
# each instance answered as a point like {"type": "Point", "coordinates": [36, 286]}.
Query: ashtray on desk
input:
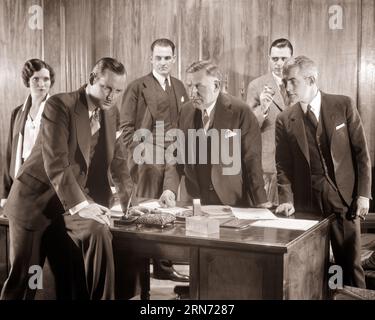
{"type": "Point", "coordinates": [160, 220]}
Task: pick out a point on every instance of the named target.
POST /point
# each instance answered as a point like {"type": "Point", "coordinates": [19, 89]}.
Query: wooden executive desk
{"type": "Point", "coordinates": [255, 263]}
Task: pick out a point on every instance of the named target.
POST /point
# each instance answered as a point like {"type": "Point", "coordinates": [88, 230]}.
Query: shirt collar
{"type": "Point", "coordinates": [278, 80]}
{"type": "Point", "coordinates": [161, 79]}
{"type": "Point", "coordinates": [90, 105]}
{"type": "Point", "coordinates": [29, 97]}
{"type": "Point", "coordinates": [210, 108]}
{"type": "Point", "coordinates": [315, 104]}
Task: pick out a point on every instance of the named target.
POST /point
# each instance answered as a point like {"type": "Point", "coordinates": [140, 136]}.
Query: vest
{"type": "Point", "coordinates": [207, 190]}
{"type": "Point", "coordinates": [320, 155]}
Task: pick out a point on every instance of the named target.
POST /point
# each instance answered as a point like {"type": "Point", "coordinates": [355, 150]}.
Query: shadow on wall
{"type": "Point", "coordinates": [240, 65]}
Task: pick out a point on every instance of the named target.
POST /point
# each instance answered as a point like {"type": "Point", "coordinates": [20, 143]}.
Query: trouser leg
{"type": "Point", "coordinates": [25, 252]}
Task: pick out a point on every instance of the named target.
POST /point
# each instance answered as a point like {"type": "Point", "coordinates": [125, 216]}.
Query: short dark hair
{"type": "Point", "coordinates": [282, 43]}
{"type": "Point", "coordinates": [107, 63]}
{"type": "Point", "coordinates": [163, 42]}
{"type": "Point", "coordinates": [207, 65]}
{"type": "Point", "coordinates": [34, 65]}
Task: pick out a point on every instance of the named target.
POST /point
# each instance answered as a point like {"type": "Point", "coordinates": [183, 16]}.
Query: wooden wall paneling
{"type": "Point", "coordinates": [156, 19]}
{"type": "Point", "coordinates": [54, 41]}
{"type": "Point", "coordinates": [18, 43]}
{"type": "Point", "coordinates": [279, 19]}
{"type": "Point", "coordinates": [246, 43]}
{"type": "Point", "coordinates": [188, 46]}
{"type": "Point", "coordinates": [211, 34]}
{"type": "Point", "coordinates": [334, 50]}
{"type": "Point", "coordinates": [235, 35]}
{"type": "Point", "coordinates": [215, 27]}
{"type": "Point", "coordinates": [126, 36]}
{"type": "Point", "coordinates": [78, 42]}
{"type": "Point", "coordinates": [366, 85]}
{"type": "Point", "coordinates": [104, 29]}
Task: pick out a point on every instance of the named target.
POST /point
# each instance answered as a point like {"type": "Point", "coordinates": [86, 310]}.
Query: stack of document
{"type": "Point", "coordinates": [286, 223]}
{"type": "Point", "coordinates": [253, 213]}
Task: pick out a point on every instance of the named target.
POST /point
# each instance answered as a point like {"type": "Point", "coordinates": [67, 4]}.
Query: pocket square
{"type": "Point", "coordinates": [340, 126]}
{"type": "Point", "coordinates": [118, 134]}
{"type": "Point", "coordinates": [229, 133]}
{"type": "Point", "coordinates": [182, 99]}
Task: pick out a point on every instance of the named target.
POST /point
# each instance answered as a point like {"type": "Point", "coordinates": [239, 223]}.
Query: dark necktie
{"type": "Point", "coordinates": [167, 87]}
{"type": "Point", "coordinates": [311, 116]}
{"type": "Point", "coordinates": [205, 120]}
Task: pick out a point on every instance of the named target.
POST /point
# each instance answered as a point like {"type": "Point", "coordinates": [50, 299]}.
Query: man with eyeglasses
{"type": "Point", "coordinates": [267, 97]}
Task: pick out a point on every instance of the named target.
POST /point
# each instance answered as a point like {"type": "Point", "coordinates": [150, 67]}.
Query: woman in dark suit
{"type": "Point", "coordinates": [39, 77]}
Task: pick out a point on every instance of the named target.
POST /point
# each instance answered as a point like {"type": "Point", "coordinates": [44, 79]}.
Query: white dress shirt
{"type": "Point", "coordinates": [161, 79]}
{"type": "Point", "coordinates": [279, 81]}
{"type": "Point", "coordinates": [31, 130]}
{"type": "Point", "coordinates": [316, 104]}
{"type": "Point", "coordinates": [209, 111]}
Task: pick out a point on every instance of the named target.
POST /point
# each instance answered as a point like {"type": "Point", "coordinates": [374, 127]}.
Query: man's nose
{"type": "Point", "coordinates": [110, 95]}
{"type": "Point", "coordinates": [288, 87]}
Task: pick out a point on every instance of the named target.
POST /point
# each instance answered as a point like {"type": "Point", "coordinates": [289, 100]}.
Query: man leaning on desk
{"type": "Point", "coordinates": [210, 110]}
{"type": "Point", "coordinates": [57, 200]}
{"type": "Point", "coordinates": [323, 163]}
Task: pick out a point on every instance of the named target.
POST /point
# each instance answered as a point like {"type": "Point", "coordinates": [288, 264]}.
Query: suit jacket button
{"type": "Point", "coordinates": [211, 187]}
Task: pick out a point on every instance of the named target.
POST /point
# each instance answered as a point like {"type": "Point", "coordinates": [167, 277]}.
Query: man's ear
{"type": "Point", "coordinates": [217, 84]}
{"type": "Point", "coordinates": [92, 78]}
{"type": "Point", "coordinates": [312, 80]}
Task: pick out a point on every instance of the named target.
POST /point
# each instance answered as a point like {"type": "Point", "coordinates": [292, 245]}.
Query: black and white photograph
{"type": "Point", "coordinates": [206, 152]}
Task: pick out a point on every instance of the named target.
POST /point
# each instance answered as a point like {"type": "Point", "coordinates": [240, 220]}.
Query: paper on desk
{"type": "Point", "coordinates": [150, 205]}
{"type": "Point", "coordinates": [284, 223]}
{"type": "Point", "coordinates": [253, 213]}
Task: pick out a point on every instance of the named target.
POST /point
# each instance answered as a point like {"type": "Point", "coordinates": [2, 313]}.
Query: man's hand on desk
{"type": "Point", "coordinates": [96, 212]}
{"type": "Point", "coordinates": [287, 209]}
{"type": "Point", "coordinates": [266, 205]}
{"type": "Point", "coordinates": [167, 199]}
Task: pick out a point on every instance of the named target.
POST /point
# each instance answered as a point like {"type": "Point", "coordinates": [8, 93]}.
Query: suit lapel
{"type": "Point", "coordinates": [19, 123]}
{"type": "Point", "coordinates": [223, 117]}
{"type": "Point", "coordinates": [82, 123]}
{"type": "Point", "coordinates": [187, 121]}
{"type": "Point", "coordinates": [328, 114]}
{"type": "Point", "coordinates": [298, 129]}
{"type": "Point", "coordinates": [178, 92]}
{"type": "Point", "coordinates": [278, 99]}
{"type": "Point", "coordinates": [18, 132]}
{"type": "Point", "coordinates": [150, 85]}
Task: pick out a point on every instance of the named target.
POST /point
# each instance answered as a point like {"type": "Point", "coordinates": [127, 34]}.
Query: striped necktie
{"type": "Point", "coordinates": [95, 121]}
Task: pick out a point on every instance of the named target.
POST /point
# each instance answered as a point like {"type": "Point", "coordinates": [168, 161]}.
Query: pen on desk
{"type": "Point", "coordinates": [128, 205]}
